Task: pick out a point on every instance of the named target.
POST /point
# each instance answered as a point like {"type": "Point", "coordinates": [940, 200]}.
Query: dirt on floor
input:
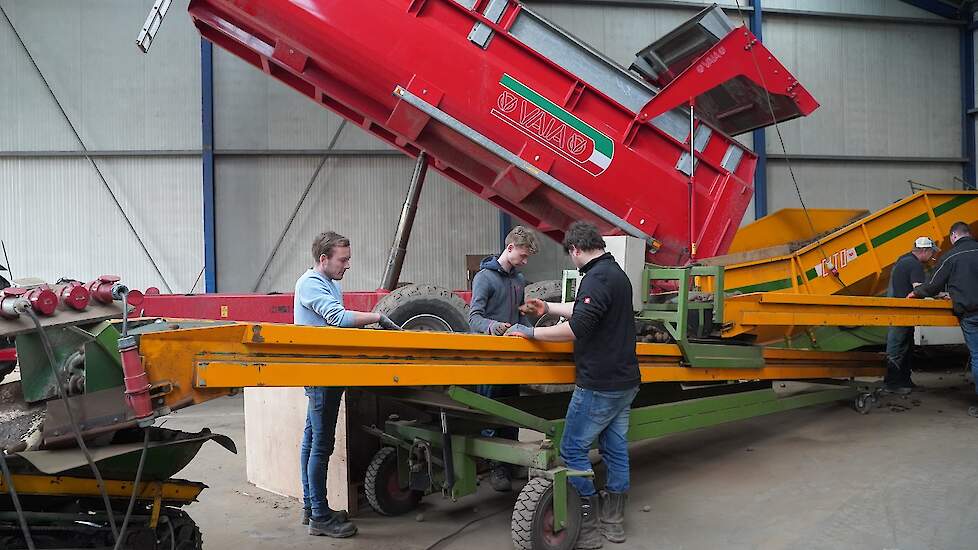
{"type": "Point", "coordinates": [903, 477]}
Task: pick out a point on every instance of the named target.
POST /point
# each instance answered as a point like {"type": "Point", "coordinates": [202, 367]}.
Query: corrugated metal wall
{"type": "Point", "coordinates": [890, 112]}
{"type": "Point", "coordinates": [58, 217]}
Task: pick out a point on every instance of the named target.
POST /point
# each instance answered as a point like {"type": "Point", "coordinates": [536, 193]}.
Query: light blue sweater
{"type": "Point", "coordinates": [319, 302]}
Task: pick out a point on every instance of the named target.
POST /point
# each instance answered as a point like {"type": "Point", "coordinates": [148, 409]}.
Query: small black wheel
{"type": "Point", "coordinates": [382, 486]}
{"type": "Point", "coordinates": [548, 291]}
{"type": "Point", "coordinates": [533, 518]}
{"type": "Point", "coordinates": [425, 308]}
{"type": "Point", "coordinates": [178, 531]}
{"type": "Point", "coordinates": [6, 368]}
{"type": "Point", "coordinates": [865, 402]}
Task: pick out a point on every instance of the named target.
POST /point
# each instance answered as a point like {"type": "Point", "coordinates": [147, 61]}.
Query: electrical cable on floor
{"type": "Point", "coordinates": [101, 176]}
{"type": "Point", "coordinates": [13, 495]}
{"type": "Point", "coordinates": [135, 489]}
{"type": "Point", "coordinates": [787, 159]}
{"type": "Point", "coordinates": [458, 531]}
{"type": "Point", "coordinates": [46, 344]}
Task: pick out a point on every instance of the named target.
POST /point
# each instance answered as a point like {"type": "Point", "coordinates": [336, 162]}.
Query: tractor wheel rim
{"type": "Point", "coordinates": [552, 538]}
{"type": "Point", "coordinates": [428, 323]}
{"type": "Point", "coordinates": [394, 489]}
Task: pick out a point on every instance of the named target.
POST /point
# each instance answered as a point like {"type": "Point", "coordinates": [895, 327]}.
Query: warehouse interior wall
{"type": "Point", "coordinates": [138, 114]}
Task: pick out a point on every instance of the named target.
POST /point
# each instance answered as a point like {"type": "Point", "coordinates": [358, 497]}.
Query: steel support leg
{"type": "Point", "coordinates": [392, 272]}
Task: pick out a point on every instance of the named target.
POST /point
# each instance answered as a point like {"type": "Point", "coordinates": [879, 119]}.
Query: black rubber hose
{"type": "Point", "coordinates": [16, 499]}
{"type": "Point", "coordinates": [46, 344]}
{"type": "Point", "coordinates": [135, 489]}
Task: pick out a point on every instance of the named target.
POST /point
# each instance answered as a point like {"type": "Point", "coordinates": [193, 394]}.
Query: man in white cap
{"type": "Point", "coordinates": [907, 273]}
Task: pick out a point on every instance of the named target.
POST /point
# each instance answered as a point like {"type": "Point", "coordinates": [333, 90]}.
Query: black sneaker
{"type": "Point", "coordinates": [332, 528]}
{"type": "Point", "coordinates": [340, 515]}
{"type": "Point", "coordinates": [897, 390]}
{"type": "Point", "coordinates": [500, 477]}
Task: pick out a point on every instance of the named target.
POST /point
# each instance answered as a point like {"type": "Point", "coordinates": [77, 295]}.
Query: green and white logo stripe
{"type": "Point", "coordinates": [604, 147]}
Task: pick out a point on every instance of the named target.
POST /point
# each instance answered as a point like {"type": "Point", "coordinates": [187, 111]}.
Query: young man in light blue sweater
{"type": "Point", "coordinates": [319, 303]}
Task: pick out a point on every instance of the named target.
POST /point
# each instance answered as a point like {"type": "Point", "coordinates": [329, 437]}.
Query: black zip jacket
{"type": "Point", "coordinates": [958, 273]}
{"type": "Point", "coordinates": [604, 327]}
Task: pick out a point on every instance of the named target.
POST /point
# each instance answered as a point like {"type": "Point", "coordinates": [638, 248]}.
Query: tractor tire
{"type": "Point", "coordinates": [426, 308]}
{"type": "Point", "coordinates": [383, 488]}
{"type": "Point", "coordinates": [179, 533]}
{"type": "Point", "coordinates": [548, 291]}
{"type": "Point", "coordinates": [532, 527]}
{"type": "Point", "coordinates": [6, 368]}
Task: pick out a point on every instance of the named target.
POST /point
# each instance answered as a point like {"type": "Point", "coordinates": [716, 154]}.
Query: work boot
{"type": "Point", "coordinates": [331, 527]}
{"type": "Point", "coordinates": [340, 515]}
{"type": "Point", "coordinates": [612, 514]}
{"type": "Point", "coordinates": [590, 536]}
{"type": "Point", "coordinates": [897, 389]}
{"type": "Point", "coordinates": [500, 477]}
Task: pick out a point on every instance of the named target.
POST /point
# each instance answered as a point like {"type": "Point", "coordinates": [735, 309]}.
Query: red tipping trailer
{"type": "Point", "coordinates": [521, 113]}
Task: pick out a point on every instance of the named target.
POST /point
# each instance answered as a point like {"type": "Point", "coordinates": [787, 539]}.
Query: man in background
{"type": "Point", "coordinates": [907, 273]}
{"type": "Point", "coordinates": [958, 274]}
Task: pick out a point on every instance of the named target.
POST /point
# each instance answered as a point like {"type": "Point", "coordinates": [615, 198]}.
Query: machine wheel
{"type": "Point", "coordinates": [184, 535]}
{"type": "Point", "coordinates": [864, 403]}
{"type": "Point", "coordinates": [383, 487]}
{"type": "Point", "coordinates": [6, 368]}
{"type": "Point", "coordinates": [533, 522]}
{"type": "Point", "coordinates": [548, 291]}
{"type": "Point", "coordinates": [425, 307]}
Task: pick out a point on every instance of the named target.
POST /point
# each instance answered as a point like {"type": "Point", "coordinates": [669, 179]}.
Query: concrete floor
{"type": "Point", "coordinates": [903, 477]}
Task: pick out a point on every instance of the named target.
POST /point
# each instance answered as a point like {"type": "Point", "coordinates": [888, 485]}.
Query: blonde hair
{"type": "Point", "coordinates": [523, 237]}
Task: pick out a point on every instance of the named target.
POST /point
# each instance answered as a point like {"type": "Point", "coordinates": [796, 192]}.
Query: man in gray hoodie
{"type": "Point", "coordinates": [497, 294]}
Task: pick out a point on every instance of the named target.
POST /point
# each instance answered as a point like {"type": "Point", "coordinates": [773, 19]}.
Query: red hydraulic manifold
{"type": "Point", "coordinates": [529, 118]}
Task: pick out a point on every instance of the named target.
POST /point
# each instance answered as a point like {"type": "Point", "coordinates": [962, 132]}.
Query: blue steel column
{"type": "Point", "coordinates": [760, 138]}
{"type": "Point", "coordinates": [505, 224]}
{"type": "Point", "coordinates": [207, 157]}
{"type": "Point", "coordinates": [968, 100]}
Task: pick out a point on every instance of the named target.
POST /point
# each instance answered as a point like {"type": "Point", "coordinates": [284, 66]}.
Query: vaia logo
{"type": "Point", "coordinates": [552, 126]}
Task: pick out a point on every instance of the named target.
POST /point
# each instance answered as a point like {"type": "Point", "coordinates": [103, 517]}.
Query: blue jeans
{"type": "Point", "coordinates": [899, 343]}
{"type": "Point", "coordinates": [318, 439]}
{"type": "Point", "coordinates": [601, 415]}
{"type": "Point", "coordinates": [495, 391]}
{"type": "Point", "coordinates": [969, 326]}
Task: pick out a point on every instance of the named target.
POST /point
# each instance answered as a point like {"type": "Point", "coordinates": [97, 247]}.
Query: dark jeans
{"type": "Point", "coordinates": [899, 345]}
{"type": "Point", "coordinates": [496, 391]}
{"type": "Point", "coordinates": [318, 439]}
{"type": "Point", "coordinates": [601, 415]}
{"type": "Point", "coordinates": [969, 326]}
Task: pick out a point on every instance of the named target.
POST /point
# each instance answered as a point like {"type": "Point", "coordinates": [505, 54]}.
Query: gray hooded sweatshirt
{"type": "Point", "coordinates": [496, 296]}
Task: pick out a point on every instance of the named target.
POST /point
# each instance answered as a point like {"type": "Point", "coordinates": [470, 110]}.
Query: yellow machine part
{"type": "Point", "coordinates": [791, 225]}
{"type": "Point", "coordinates": [852, 261]}
{"type": "Point", "coordinates": [193, 365]}
{"type": "Point", "coordinates": [862, 252]}
{"type": "Point", "coordinates": [766, 312]}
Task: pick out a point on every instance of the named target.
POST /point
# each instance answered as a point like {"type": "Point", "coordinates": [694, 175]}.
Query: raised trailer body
{"type": "Point", "coordinates": [524, 115]}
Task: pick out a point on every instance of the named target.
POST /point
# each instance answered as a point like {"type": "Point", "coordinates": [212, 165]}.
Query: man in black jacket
{"type": "Point", "coordinates": [958, 273]}
{"type": "Point", "coordinates": [602, 326]}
